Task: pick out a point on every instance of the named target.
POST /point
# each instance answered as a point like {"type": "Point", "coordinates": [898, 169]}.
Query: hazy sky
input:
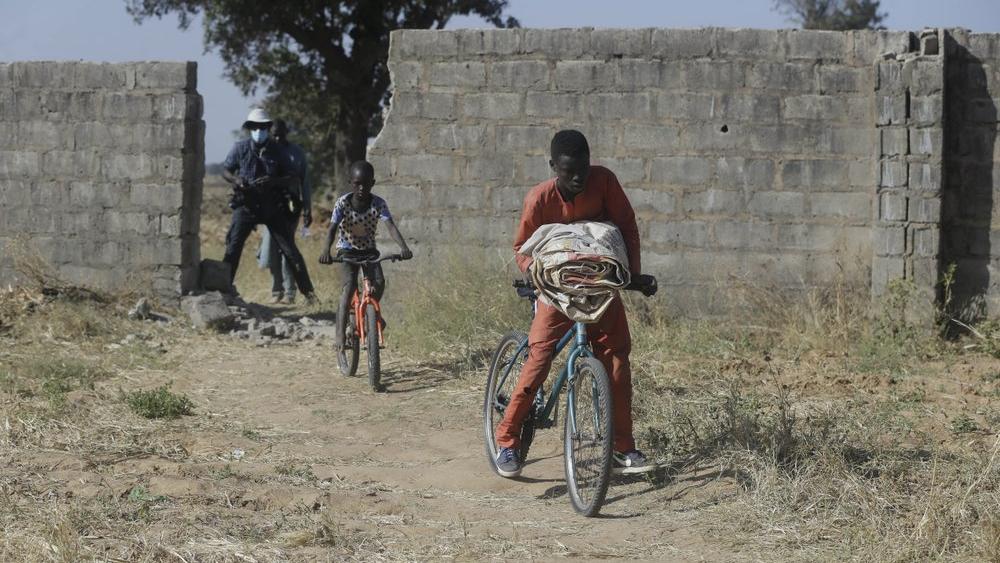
{"type": "Point", "coordinates": [100, 30]}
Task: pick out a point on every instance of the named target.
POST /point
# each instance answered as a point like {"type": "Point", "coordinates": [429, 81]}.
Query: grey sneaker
{"type": "Point", "coordinates": [632, 461]}
{"type": "Point", "coordinates": [508, 463]}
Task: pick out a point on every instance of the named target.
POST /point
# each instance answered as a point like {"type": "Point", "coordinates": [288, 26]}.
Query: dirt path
{"type": "Point", "coordinates": [284, 460]}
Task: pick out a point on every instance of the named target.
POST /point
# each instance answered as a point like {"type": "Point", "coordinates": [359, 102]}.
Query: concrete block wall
{"type": "Point", "coordinates": [971, 211]}
{"type": "Point", "coordinates": [749, 155]}
{"type": "Point", "coordinates": [100, 171]}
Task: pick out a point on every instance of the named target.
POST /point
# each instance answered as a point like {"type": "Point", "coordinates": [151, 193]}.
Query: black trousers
{"type": "Point", "coordinates": [282, 232]}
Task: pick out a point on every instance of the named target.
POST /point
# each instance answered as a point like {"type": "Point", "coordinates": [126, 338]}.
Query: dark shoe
{"type": "Point", "coordinates": [311, 299]}
{"type": "Point", "coordinates": [508, 463]}
{"type": "Point", "coordinates": [632, 461]}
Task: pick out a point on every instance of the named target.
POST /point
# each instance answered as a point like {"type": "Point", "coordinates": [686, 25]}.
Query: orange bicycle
{"type": "Point", "coordinates": [364, 324]}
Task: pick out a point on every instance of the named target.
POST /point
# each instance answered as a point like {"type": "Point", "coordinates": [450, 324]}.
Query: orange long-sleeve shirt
{"type": "Point", "coordinates": [603, 199]}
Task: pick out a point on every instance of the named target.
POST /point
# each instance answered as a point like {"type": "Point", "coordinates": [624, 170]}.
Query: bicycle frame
{"type": "Point", "coordinates": [358, 305]}
{"type": "Point", "coordinates": [579, 349]}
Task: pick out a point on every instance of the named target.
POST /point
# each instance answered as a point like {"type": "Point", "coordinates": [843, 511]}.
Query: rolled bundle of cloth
{"type": "Point", "coordinates": [578, 267]}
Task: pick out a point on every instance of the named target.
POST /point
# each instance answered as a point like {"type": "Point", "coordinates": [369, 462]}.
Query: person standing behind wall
{"type": "Point", "coordinates": [259, 172]}
{"type": "Point", "coordinates": [300, 202]}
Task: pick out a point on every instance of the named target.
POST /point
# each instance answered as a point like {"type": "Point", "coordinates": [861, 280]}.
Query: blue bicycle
{"type": "Point", "coordinates": [588, 432]}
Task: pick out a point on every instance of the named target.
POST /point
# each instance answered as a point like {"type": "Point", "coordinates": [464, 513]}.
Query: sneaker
{"type": "Point", "coordinates": [275, 299]}
{"type": "Point", "coordinates": [508, 464]}
{"type": "Point", "coordinates": [311, 299]}
{"type": "Point", "coordinates": [289, 298]}
{"type": "Point", "coordinates": [632, 461]}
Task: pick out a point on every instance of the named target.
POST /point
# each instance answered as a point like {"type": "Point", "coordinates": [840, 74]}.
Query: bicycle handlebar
{"type": "Point", "coordinates": [367, 261]}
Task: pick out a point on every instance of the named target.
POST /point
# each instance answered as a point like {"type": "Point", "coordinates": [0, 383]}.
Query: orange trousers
{"type": "Point", "coordinates": [611, 343]}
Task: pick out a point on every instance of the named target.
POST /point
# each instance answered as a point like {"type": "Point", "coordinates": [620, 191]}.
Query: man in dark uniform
{"type": "Point", "coordinates": [260, 173]}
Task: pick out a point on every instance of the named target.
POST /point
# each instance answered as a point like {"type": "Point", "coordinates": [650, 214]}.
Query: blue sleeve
{"type": "Point", "coordinates": [232, 162]}
{"type": "Point", "coordinates": [338, 212]}
{"type": "Point", "coordinates": [383, 212]}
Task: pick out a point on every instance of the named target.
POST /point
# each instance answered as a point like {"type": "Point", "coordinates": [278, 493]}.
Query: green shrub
{"type": "Point", "coordinates": [159, 403]}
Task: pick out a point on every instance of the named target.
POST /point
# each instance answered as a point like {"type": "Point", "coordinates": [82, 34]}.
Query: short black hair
{"type": "Point", "coordinates": [363, 166]}
{"type": "Point", "coordinates": [569, 142]}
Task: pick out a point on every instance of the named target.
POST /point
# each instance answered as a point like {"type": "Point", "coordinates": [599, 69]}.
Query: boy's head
{"type": "Point", "coordinates": [361, 176]}
{"type": "Point", "coordinates": [570, 161]}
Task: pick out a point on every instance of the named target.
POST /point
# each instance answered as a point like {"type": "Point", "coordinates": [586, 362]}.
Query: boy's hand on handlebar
{"type": "Point", "coordinates": [406, 254]}
{"type": "Point", "coordinates": [325, 258]}
{"type": "Point", "coordinates": [646, 284]}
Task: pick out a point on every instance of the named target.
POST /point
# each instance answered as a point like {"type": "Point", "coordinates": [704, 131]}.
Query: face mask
{"type": "Point", "coordinates": [258, 135]}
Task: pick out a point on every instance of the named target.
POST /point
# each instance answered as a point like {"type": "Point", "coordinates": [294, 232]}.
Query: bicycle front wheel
{"type": "Point", "coordinates": [505, 368]}
{"type": "Point", "coordinates": [347, 358]}
{"type": "Point", "coordinates": [374, 362]}
{"type": "Point", "coordinates": [589, 433]}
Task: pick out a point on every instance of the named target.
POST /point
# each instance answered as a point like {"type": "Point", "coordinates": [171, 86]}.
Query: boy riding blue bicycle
{"type": "Point", "coordinates": [579, 192]}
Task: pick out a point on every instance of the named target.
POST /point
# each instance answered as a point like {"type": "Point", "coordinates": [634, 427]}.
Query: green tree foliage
{"type": "Point", "coordinates": [321, 64]}
{"type": "Point", "coordinates": [838, 15]}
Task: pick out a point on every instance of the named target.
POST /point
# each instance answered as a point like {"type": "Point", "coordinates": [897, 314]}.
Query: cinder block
{"type": "Point", "coordinates": [711, 75]}
{"type": "Point", "coordinates": [208, 311]}
{"type": "Point", "coordinates": [419, 44]}
{"type": "Point", "coordinates": [127, 107]}
{"type": "Point", "coordinates": [405, 75]}
{"type": "Point", "coordinates": [492, 106]}
{"type": "Point", "coordinates": [556, 43]}
{"type": "Point", "coordinates": [884, 270]}
{"type": "Point", "coordinates": [529, 139]}
{"type": "Point", "coordinates": [13, 193]}
{"type": "Point", "coordinates": [166, 75]}
{"type": "Point", "coordinates": [840, 79]}
{"type": "Point", "coordinates": [403, 135]}
{"type": "Point", "coordinates": [825, 174]}
{"type": "Point", "coordinates": [744, 234]}
{"type": "Point", "coordinates": [748, 107]}
{"type": "Point", "coordinates": [548, 105]}
{"type": "Point", "coordinates": [518, 75]}
{"type": "Point", "coordinates": [48, 195]}
{"type": "Point", "coordinates": [628, 170]}
{"type": "Point", "coordinates": [892, 207]}
{"type": "Point", "coordinates": [156, 198]}
{"type": "Point", "coordinates": [88, 106]}
{"type": "Point", "coordinates": [890, 241]}
{"type": "Point", "coordinates": [43, 135]}
{"type": "Point", "coordinates": [499, 167]}
{"type": "Point", "coordinates": [862, 173]}
{"type": "Point", "coordinates": [584, 76]}
{"type": "Point", "coordinates": [121, 222]}
{"type": "Point", "coordinates": [927, 142]}
{"type": "Point", "coordinates": [776, 204]}
{"type": "Point", "coordinates": [654, 139]}
{"type": "Point", "coordinates": [685, 106]}
{"type": "Point", "coordinates": [924, 76]}
{"type": "Point", "coordinates": [100, 75]}
{"type": "Point", "coordinates": [893, 174]}
{"type": "Point", "coordinates": [927, 110]}
{"type": "Point", "coordinates": [44, 74]}
{"type": "Point", "coordinates": [175, 106]}
{"type": "Point", "coordinates": [432, 168]}
{"type": "Point", "coordinates": [131, 166]}
{"type": "Point", "coordinates": [611, 43]}
{"type": "Point", "coordinates": [693, 234]}
{"type": "Point", "coordinates": [463, 75]}
{"type": "Point", "coordinates": [713, 202]}
{"type": "Point", "coordinates": [489, 41]}
{"type": "Point", "coordinates": [848, 141]}
{"type": "Point", "coordinates": [894, 141]}
{"type": "Point", "coordinates": [736, 172]}
{"type": "Point", "coordinates": [84, 195]}
{"type": "Point", "coordinates": [984, 46]}
{"type": "Point", "coordinates": [712, 137]}
{"type": "Point", "coordinates": [74, 164]}
{"type": "Point", "coordinates": [462, 198]}
{"type": "Point", "coordinates": [534, 169]}
{"type": "Point", "coordinates": [620, 106]}
{"type": "Point", "coordinates": [430, 105]}
{"type": "Point", "coordinates": [925, 210]}
{"type": "Point", "coordinates": [153, 137]}
{"type": "Point", "coordinates": [681, 43]}
{"type": "Point", "coordinates": [815, 44]}
{"type": "Point", "coordinates": [925, 177]}
{"type": "Point", "coordinates": [810, 237]}
{"type": "Point", "coordinates": [891, 109]}
{"type": "Point", "coordinates": [829, 109]}
{"type": "Point", "coordinates": [855, 208]}
{"type": "Point", "coordinates": [681, 170]}
{"type": "Point", "coordinates": [655, 201]}
{"type": "Point", "coordinates": [750, 43]}
{"type": "Point", "coordinates": [790, 77]}
{"type": "Point", "coordinates": [641, 75]}
{"type": "Point", "coordinates": [466, 138]}
{"type": "Point", "coordinates": [869, 45]}
{"type": "Point", "coordinates": [506, 199]}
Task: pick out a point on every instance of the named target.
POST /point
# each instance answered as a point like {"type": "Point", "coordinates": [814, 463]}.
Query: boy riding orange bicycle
{"type": "Point", "coordinates": [357, 215]}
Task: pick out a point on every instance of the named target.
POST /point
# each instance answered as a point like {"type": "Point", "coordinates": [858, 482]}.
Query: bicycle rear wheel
{"type": "Point", "coordinates": [588, 437]}
{"type": "Point", "coordinates": [505, 367]}
{"type": "Point", "coordinates": [374, 361]}
{"type": "Point", "coordinates": [347, 358]}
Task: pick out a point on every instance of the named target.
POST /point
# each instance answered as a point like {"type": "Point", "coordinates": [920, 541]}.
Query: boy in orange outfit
{"type": "Point", "coordinates": [579, 192]}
